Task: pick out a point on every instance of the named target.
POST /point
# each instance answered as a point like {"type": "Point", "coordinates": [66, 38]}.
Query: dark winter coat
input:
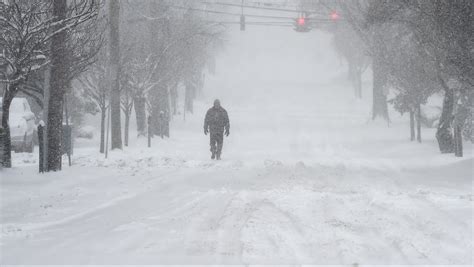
{"type": "Point", "coordinates": [217, 120]}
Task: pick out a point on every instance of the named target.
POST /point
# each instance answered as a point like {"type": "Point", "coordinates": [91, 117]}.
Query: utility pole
{"type": "Point", "coordinates": [242, 18]}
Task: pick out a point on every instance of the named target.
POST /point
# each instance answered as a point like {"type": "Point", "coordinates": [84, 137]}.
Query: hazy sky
{"type": "Point", "coordinates": [272, 57]}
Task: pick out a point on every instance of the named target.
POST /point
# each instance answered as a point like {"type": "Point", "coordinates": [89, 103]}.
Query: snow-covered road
{"type": "Point", "coordinates": [306, 178]}
{"type": "Point", "coordinates": [303, 194]}
{"type": "Point", "coordinates": [226, 213]}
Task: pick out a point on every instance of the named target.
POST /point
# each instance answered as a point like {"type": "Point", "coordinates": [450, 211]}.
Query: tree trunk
{"type": "Point", "coordinates": [461, 115]}
{"type": "Point", "coordinates": [103, 114]}
{"type": "Point", "coordinates": [46, 84]}
{"type": "Point", "coordinates": [358, 83]}
{"type": "Point", "coordinates": [58, 85]}
{"type": "Point", "coordinates": [160, 100]}
{"type": "Point", "coordinates": [6, 158]}
{"type": "Point", "coordinates": [127, 124]}
{"type": "Point", "coordinates": [189, 97]}
{"type": "Point", "coordinates": [201, 81]}
{"type": "Point", "coordinates": [159, 94]}
{"type": "Point", "coordinates": [458, 150]}
{"type": "Point", "coordinates": [379, 107]}
{"type": "Point", "coordinates": [444, 132]}
{"type": "Point", "coordinates": [174, 98]}
{"type": "Point", "coordinates": [140, 113]}
{"type": "Point", "coordinates": [114, 60]}
{"type": "Point", "coordinates": [418, 123]}
{"type": "Point", "coordinates": [412, 125]}
{"type": "Point", "coordinates": [149, 131]}
{"type": "Point", "coordinates": [354, 77]}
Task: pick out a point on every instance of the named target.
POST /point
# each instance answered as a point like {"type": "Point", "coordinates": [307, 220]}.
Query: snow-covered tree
{"type": "Point", "coordinates": [174, 52]}
{"type": "Point", "coordinates": [94, 87]}
{"type": "Point", "coordinates": [349, 45]}
{"type": "Point", "coordinates": [371, 20]}
{"type": "Point", "coordinates": [441, 27]}
{"type": "Point", "coordinates": [413, 79]}
{"type": "Point", "coordinates": [140, 73]}
{"type": "Point", "coordinates": [27, 33]}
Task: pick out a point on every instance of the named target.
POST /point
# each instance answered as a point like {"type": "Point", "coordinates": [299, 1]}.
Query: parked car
{"type": "Point", "coordinates": [22, 125]}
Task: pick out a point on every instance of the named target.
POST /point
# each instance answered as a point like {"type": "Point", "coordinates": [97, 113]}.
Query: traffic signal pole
{"type": "Point", "coordinates": [242, 18]}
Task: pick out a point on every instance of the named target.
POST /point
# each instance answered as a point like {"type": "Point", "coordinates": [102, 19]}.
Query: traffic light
{"type": "Point", "coordinates": [302, 24]}
{"type": "Point", "coordinates": [335, 16]}
{"type": "Point", "coordinates": [301, 21]}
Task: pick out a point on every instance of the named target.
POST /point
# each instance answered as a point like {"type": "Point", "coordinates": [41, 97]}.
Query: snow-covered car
{"type": "Point", "coordinates": [22, 125]}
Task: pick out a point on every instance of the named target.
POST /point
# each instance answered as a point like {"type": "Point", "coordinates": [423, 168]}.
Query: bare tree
{"type": "Point", "coordinates": [27, 29]}
{"type": "Point", "coordinates": [370, 20]}
{"type": "Point", "coordinates": [157, 67]}
{"type": "Point", "coordinates": [349, 45]}
{"type": "Point", "coordinates": [94, 86]}
{"type": "Point", "coordinates": [66, 64]}
{"type": "Point", "coordinates": [126, 103]}
{"type": "Point", "coordinates": [442, 28]}
{"type": "Point", "coordinates": [140, 81]}
{"type": "Point", "coordinates": [346, 40]}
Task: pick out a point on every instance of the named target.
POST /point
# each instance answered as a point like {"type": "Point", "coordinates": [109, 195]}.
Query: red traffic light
{"type": "Point", "coordinates": [335, 15]}
{"type": "Point", "coordinates": [301, 21]}
{"type": "Point", "coordinates": [301, 24]}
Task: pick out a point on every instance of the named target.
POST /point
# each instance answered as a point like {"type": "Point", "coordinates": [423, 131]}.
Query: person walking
{"type": "Point", "coordinates": [216, 124]}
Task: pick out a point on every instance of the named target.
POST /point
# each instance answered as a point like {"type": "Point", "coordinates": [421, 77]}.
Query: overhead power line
{"type": "Point", "coordinates": [226, 13]}
{"type": "Point", "coordinates": [252, 24]}
{"type": "Point", "coordinates": [267, 8]}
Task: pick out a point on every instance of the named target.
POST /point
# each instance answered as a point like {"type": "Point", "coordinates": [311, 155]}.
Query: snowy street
{"type": "Point", "coordinates": [307, 176]}
{"type": "Point", "coordinates": [228, 214]}
{"type": "Point", "coordinates": [321, 198]}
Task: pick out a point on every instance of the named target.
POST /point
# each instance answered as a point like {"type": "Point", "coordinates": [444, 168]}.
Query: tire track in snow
{"type": "Point", "coordinates": [282, 229]}
{"type": "Point", "coordinates": [68, 219]}
{"type": "Point", "coordinates": [245, 214]}
{"type": "Point", "coordinates": [96, 210]}
{"type": "Point", "coordinates": [414, 248]}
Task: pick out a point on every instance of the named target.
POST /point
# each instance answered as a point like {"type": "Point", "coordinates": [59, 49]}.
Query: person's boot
{"type": "Point", "coordinates": [213, 155]}
{"type": "Point", "coordinates": [218, 156]}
